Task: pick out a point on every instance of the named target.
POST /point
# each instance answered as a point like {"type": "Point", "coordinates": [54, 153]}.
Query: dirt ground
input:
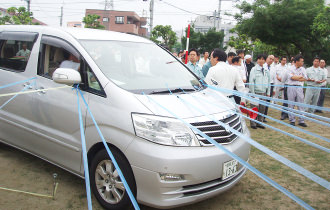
{"type": "Point", "coordinates": [22, 171]}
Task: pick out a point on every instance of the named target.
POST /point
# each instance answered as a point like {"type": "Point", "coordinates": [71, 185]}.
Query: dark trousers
{"type": "Point", "coordinates": [271, 95]}
{"type": "Point", "coordinates": [261, 109]}
{"type": "Point", "coordinates": [237, 98]}
{"type": "Point", "coordinates": [321, 97]}
{"type": "Point", "coordinates": [285, 114]}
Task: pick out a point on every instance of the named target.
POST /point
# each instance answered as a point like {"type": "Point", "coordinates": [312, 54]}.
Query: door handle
{"type": "Point", "coordinates": [27, 85]}
{"type": "Point", "coordinates": [42, 91]}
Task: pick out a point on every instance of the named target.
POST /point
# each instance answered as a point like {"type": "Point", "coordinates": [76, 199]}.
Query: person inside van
{"type": "Point", "coordinates": [24, 52]}
{"type": "Point", "coordinates": [70, 61]}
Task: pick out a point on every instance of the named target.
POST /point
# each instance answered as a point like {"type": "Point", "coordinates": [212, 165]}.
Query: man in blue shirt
{"type": "Point", "coordinates": [193, 65]}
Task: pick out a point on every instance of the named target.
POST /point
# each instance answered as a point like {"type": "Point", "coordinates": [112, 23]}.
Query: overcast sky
{"type": "Point", "coordinates": [48, 11]}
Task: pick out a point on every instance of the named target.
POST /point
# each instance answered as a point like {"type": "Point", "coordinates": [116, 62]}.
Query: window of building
{"type": "Point", "coordinates": [15, 49]}
{"type": "Point", "coordinates": [105, 19]}
{"type": "Point", "coordinates": [119, 19]}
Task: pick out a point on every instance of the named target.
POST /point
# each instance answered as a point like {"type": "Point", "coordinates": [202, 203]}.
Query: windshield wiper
{"type": "Point", "coordinates": [176, 90]}
{"type": "Point", "coordinates": [169, 62]}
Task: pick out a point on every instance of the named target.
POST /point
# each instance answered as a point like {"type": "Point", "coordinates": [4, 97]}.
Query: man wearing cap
{"type": "Point", "coordinates": [249, 65]}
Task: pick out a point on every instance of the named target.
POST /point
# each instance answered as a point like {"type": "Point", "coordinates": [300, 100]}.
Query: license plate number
{"type": "Point", "coordinates": [229, 169]}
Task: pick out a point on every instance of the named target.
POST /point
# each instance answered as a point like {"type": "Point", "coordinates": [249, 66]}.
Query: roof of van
{"type": "Point", "coordinates": [78, 33]}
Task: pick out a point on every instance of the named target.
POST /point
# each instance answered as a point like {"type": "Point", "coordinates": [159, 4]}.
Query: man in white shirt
{"type": "Point", "coordinates": [236, 62]}
{"type": "Point", "coordinates": [204, 60]}
{"type": "Point", "coordinates": [71, 62]}
{"type": "Point", "coordinates": [279, 69]}
{"type": "Point", "coordinates": [324, 85]}
{"type": "Point", "coordinates": [268, 66]}
{"type": "Point", "coordinates": [223, 75]}
{"type": "Point", "coordinates": [230, 57]}
{"type": "Point", "coordinates": [24, 52]}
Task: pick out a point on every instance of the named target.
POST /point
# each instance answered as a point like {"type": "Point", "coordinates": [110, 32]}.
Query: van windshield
{"type": "Point", "coordinates": [141, 67]}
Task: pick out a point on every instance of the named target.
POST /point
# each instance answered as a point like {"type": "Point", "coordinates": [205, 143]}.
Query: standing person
{"type": "Point", "coordinates": [192, 64]}
{"type": "Point", "coordinates": [296, 78]}
{"type": "Point", "coordinates": [323, 85]}
{"type": "Point", "coordinates": [268, 66]}
{"type": "Point", "coordinates": [259, 75]}
{"type": "Point", "coordinates": [205, 59]}
{"type": "Point", "coordinates": [315, 78]}
{"type": "Point", "coordinates": [285, 82]}
{"type": "Point", "coordinates": [276, 60]}
{"type": "Point", "coordinates": [279, 69]}
{"type": "Point", "coordinates": [241, 54]}
{"type": "Point", "coordinates": [223, 75]}
{"type": "Point", "coordinates": [249, 65]}
{"type": "Point", "coordinates": [236, 62]}
{"type": "Point", "coordinates": [230, 57]}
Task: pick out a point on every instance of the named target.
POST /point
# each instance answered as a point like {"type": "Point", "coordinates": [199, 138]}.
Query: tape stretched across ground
{"type": "Point", "coordinates": [307, 87]}
{"type": "Point", "coordinates": [234, 156]}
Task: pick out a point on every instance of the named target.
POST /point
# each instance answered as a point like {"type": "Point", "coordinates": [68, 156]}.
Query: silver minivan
{"type": "Point", "coordinates": [165, 163]}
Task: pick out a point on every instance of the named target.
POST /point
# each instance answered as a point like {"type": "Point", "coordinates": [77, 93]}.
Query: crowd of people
{"type": "Point", "coordinates": [271, 76]}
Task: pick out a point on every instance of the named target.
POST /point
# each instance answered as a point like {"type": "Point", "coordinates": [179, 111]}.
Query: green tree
{"type": "Point", "coordinates": [167, 35]}
{"type": "Point", "coordinates": [321, 23]}
{"type": "Point", "coordinates": [283, 24]}
{"type": "Point", "coordinates": [91, 21]}
{"type": "Point", "coordinates": [17, 16]}
{"type": "Point", "coordinates": [242, 41]}
{"type": "Point", "coordinates": [203, 42]}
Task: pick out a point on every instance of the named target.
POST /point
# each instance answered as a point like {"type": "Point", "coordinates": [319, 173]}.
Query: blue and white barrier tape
{"type": "Point", "coordinates": [311, 87]}
{"type": "Point", "coordinates": [236, 157]}
{"type": "Point", "coordinates": [324, 183]}
{"type": "Point", "coordinates": [83, 145]}
{"type": "Point", "coordinates": [275, 106]}
{"type": "Point", "coordinates": [9, 100]}
{"type": "Point", "coordinates": [283, 123]}
{"type": "Point", "coordinates": [128, 190]}
{"type": "Point", "coordinates": [19, 82]}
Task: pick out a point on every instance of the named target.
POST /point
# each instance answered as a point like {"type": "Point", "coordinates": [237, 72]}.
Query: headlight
{"type": "Point", "coordinates": [163, 130]}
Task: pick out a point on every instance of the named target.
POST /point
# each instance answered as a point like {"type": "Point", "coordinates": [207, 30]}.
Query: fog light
{"type": "Point", "coordinates": [171, 177]}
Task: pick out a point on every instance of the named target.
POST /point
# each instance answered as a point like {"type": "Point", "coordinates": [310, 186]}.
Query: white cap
{"type": "Point", "coordinates": [247, 57]}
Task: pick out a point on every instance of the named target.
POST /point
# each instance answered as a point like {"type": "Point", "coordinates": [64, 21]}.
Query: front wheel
{"type": "Point", "coordinates": [106, 184]}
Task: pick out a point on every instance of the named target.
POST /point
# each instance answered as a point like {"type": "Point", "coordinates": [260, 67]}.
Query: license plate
{"type": "Point", "coordinates": [229, 169]}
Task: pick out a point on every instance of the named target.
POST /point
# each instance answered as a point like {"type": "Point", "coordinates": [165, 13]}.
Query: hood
{"type": "Point", "coordinates": [207, 100]}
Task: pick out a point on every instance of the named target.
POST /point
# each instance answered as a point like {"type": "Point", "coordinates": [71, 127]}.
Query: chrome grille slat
{"type": "Point", "coordinates": [217, 132]}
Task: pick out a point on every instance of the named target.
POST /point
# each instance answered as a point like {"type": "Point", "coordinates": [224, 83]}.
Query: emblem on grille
{"type": "Point", "coordinates": [227, 130]}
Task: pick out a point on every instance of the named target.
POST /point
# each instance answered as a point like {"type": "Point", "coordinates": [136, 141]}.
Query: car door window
{"type": "Point", "coordinates": [15, 49]}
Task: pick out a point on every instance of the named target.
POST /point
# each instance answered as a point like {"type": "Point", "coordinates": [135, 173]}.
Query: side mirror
{"type": "Point", "coordinates": [66, 76]}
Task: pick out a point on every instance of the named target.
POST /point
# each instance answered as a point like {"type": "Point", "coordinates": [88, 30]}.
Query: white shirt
{"type": "Point", "coordinates": [279, 69]}
{"type": "Point", "coordinates": [202, 62]}
{"type": "Point", "coordinates": [271, 72]}
{"type": "Point", "coordinates": [225, 76]}
{"type": "Point", "coordinates": [326, 76]}
{"type": "Point", "coordinates": [70, 65]}
{"type": "Point", "coordinates": [241, 71]}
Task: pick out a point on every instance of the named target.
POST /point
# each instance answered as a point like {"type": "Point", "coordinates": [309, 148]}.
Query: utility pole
{"type": "Point", "coordinates": [219, 21]}
{"type": "Point", "coordinates": [151, 14]}
{"type": "Point", "coordinates": [28, 5]}
{"type": "Point", "coordinates": [61, 20]}
{"type": "Point", "coordinates": [215, 17]}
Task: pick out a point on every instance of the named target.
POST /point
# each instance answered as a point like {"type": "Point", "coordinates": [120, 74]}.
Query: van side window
{"type": "Point", "coordinates": [92, 84]}
{"type": "Point", "coordinates": [56, 57]}
{"type": "Point", "coordinates": [16, 49]}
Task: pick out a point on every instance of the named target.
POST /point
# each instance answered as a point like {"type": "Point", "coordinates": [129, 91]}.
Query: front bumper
{"type": "Point", "coordinates": [200, 166]}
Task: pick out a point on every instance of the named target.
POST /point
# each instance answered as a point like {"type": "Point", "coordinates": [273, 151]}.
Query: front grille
{"type": "Point", "coordinates": [218, 132]}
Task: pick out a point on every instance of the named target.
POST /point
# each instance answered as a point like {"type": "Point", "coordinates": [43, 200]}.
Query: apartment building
{"type": "Point", "coordinates": [121, 21]}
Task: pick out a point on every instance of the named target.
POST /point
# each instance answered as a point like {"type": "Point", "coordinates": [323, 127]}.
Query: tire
{"type": "Point", "coordinates": [106, 183]}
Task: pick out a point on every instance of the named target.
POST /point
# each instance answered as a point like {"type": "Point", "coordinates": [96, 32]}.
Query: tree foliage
{"type": "Point", "coordinates": [204, 41]}
{"type": "Point", "coordinates": [321, 23]}
{"type": "Point", "coordinates": [167, 35]}
{"type": "Point", "coordinates": [17, 16]}
{"type": "Point", "coordinates": [91, 21]}
{"type": "Point", "coordinates": [242, 42]}
{"type": "Point", "coordinates": [284, 24]}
